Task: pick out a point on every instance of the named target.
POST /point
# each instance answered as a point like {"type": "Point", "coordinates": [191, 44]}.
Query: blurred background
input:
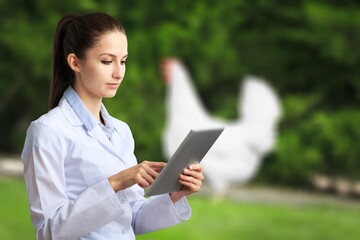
{"type": "Point", "coordinates": [307, 50]}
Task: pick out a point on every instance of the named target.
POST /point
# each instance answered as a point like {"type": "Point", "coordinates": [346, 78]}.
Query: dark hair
{"type": "Point", "coordinates": [75, 33]}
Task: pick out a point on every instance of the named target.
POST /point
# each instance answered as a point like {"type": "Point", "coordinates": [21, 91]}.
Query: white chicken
{"type": "Point", "coordinates": [236, 155]}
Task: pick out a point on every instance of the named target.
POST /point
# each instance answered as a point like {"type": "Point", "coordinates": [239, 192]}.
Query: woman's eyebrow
{"type": "Point", "coordinates": [112, 55]}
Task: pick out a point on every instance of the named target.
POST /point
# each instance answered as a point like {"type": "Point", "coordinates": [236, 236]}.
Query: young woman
{"type": "Point", "coordinates": [81, 174]}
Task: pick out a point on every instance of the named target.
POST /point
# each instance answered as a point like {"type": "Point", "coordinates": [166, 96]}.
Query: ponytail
{"type": "Point", "coordinates": [63, 76]}
{"type": "Point", "coordinates": [75, 34]}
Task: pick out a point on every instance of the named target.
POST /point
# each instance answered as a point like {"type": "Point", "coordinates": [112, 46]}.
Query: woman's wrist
{"type": "Point", "coordinates": [175, 197]}
{"type": "Point", "coordinates": [116, 186]}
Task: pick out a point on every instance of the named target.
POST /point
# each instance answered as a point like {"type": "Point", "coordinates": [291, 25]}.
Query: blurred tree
{"type": "Point", "coordinates": [307, 50]}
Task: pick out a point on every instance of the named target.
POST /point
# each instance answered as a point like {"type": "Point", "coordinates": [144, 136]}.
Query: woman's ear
{"type": "Point", "coordinates": [73, 62]}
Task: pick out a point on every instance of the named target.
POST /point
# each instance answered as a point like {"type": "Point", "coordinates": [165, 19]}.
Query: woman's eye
{"type": "Point", "coordinates": [123, 62]}
{"type": "Point", "coordinates": [106, 62]}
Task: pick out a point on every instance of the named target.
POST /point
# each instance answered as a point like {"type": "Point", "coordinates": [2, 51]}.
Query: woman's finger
{"type": "Point", "coordinates": [195, 167]}
{"type": "Point", "coordinates": [192, 187]}
{"type": "Point", "coordinates": [194, 173]}
{"type": "Point", "coordinates": [190, 180]}
{"type": "Point", "coordinates": [157, 166]}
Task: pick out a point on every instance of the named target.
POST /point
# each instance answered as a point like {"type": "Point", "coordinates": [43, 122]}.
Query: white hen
{"type": "Point", "coordinates": [236, 155]}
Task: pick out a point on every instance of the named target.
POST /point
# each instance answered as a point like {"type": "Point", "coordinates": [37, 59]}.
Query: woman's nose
{"type": "Point", "coordinates": [117, 72]}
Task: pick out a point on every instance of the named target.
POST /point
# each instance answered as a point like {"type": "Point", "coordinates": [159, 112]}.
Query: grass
{"type": "Point", "coordinates": [14, 212]}
{"type": "Point", "coordinates": [233, 220]}
{"type": "Point", "coordinates": [221, 220]}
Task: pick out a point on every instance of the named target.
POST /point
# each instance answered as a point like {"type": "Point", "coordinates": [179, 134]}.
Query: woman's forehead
{"type": "Point", "coordinates": [114, 43]}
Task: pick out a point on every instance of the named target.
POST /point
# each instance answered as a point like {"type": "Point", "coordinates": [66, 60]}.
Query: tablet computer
{"type": "Point", "coordinates": [192, 150]}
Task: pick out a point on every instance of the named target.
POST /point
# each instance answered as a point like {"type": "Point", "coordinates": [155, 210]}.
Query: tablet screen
{"type": "Point", "coordinates": [192, 150]}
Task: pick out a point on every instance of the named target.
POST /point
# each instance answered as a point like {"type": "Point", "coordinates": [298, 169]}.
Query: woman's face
{"type": "Point", "coordinates": [101, 72]}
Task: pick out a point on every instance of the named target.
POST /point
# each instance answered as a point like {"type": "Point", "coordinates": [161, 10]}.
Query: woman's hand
{"type": "Point", "coordinates": [142, 174]}
{"type": "Point", "coordinates": [191, 181]}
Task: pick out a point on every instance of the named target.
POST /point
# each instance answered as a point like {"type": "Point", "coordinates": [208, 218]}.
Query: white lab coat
{"type": "Point", "coordinates": [66, 167]}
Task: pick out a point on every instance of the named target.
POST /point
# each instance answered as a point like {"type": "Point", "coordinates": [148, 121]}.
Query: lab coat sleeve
{"type": "Point", "coordinates": [159, 212]}
{"type": "Point", "coordinates": [52, 213]}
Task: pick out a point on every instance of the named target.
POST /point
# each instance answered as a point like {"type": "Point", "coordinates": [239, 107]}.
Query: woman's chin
{"type": "Point", "coordinates": [110, 94]}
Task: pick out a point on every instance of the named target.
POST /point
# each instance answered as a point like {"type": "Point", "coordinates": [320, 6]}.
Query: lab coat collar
{"type": "Point", "coordinates": [79, 108]}
{"type": "Point", "coordinates": [69, 113]}
{"type": "Point", "coordinates": [83, 113]}
{"type": "Point", "coordinates": [77, 114]}
{"type": "Point", "coordinates": [109, 122]}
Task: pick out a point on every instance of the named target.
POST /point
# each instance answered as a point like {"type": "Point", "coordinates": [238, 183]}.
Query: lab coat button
{"type": "Point", "coordinates": [124, 231]}
{"type": "Point", "coordinates": [123, 200]}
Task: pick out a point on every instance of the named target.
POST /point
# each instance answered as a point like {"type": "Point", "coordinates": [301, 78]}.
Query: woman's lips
{"type": "Point", "coordinates": [113, 85]}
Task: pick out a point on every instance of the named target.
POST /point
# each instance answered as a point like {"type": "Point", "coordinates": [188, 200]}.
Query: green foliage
{"type": "Point", "coordinates": [319, 142]}
{"type": "Point", "coordinates": [306, 49]}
